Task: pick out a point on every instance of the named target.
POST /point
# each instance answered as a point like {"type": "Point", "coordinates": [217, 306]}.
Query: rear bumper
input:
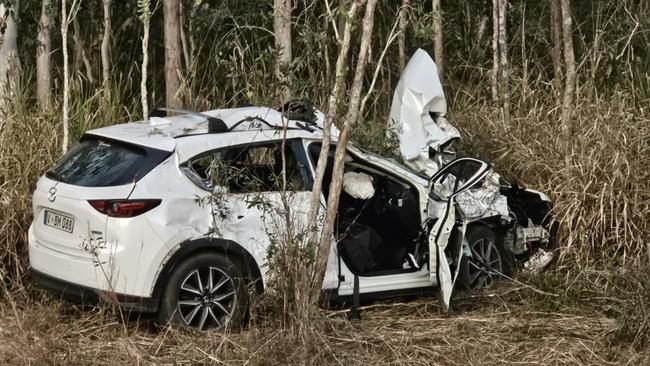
{"type": "Point", "coordinates": [90, 296]}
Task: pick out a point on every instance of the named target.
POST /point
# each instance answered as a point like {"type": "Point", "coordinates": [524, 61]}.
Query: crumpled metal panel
{"type": "Point", "coordinates": [418, 96]}
{"type": "Point", "coordinates": [485, 201]}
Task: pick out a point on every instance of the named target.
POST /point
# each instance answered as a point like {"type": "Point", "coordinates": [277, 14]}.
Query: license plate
{"type": "Point", "coordinates": [58, 221]}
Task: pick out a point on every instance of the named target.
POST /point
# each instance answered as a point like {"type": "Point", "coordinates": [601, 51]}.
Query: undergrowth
{"type": "Point", "coordinates": [599, 285]}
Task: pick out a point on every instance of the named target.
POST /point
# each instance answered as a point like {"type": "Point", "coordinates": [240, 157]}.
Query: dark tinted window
{"type": "Point", "coordinates": [97, 162]}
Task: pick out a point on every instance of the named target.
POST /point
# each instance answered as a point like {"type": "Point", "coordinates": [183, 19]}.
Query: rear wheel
{"type": "Point", "coordinates": [205, 292]}
{"type": "Point", "coordinates": [488, 260]}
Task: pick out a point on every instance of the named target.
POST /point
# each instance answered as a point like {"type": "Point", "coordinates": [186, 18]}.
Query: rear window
{"type": "Point", "coordinates": [95, 162]}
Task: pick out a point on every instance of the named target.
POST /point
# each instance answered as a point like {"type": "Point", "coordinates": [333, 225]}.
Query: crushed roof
{"type": "Point", "coordinates": [159, 132]}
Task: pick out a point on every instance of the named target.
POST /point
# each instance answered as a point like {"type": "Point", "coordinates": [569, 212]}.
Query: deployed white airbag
{"type": "Point", "coordinates": [358, 185]}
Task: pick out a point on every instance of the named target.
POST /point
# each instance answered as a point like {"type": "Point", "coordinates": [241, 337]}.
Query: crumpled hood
{"type": "Point", "coordinates": [419, 93]}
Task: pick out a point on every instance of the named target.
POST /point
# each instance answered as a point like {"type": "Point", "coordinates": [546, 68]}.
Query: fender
{"type": "Point", "coordinates": [226, 247]}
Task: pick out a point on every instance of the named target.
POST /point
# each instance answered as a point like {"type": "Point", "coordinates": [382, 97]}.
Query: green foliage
{"type": "Point", "coordinates": [144, 10]}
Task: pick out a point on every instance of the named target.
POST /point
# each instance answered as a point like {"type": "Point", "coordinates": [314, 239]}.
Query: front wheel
{"type": "Point", "coordinates": [205, 292]}
{"type": "Point", "coordinates": [488, 259]}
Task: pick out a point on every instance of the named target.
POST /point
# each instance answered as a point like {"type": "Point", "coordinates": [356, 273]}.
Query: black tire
{"type": "Point", "coordinates": [477, 272]}
{"type": "Point", "coordinates": [227, 296]}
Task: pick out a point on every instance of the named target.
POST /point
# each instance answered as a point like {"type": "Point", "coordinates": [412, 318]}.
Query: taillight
{"type": "Point", "coordinates": [123, 208]}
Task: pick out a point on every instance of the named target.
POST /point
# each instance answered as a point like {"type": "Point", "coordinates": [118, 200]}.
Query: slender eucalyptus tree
{"type": "Point", "coordinates": [348, 122]}
{"type": "Point", "coordinates": [570, 62]}
{"type": "Point", "coordinates": [438, 48]}
{"type": "Point", "coordinates": [43, 57]}
{"type": "Point", "coordinates": [9, 60]}
{"type": "Point", "coordinates": [144, 14]}
{"type": "Point", "coordinates": [282, 30]}
{"type": "Point", "coordinates": [173, 67]}
{"type": "Point", "coordinates": [106, 48]}
{"type": "Point", "coordinates": [404, 13]}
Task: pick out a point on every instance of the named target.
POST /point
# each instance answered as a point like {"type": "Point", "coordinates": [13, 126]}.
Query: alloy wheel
{"type": "Point", "coordinates": [485, 265]}
{"type": "Point", "coordinates": [206, 299]}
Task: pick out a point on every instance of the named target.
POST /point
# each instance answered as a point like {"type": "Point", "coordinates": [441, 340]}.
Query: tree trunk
{"type": "Point", "coordinates": [437, 37]}
{"type": "Point", "coordinates": [43, 58]}
{"type": "Point", "coordinates": [106, 49]}
{"type": "Point", "coordinates": [282, 30]}
{"type": "Point", "coordinates": [190, 26]}
{"type": "Point", "coordinates": [80, 51]}
{"type": "Point", "coordinates": [494, 80]}
{"type": "Point", "coordinates": [570, 62]}
{"type": "Point", "coordinates": [339, 82]}
{"type": "Point", "coordinates": [480, 32]}
{"type": "Point", "coordinates": [145, 16]}
{"type": "Point", "coordinates": [9, 61]}
{"type": "Point", "coordinates": [350, 119]}
{"type": "Point", "coordinates": [556, 39]}
{"type": "Point", "coordinates": [504, 65]}
{"type": "Point", "coordinates": [401, 40]}
{"type": "Point", "coordinates": [341, 18]}
{"type": "Point", "coordinates": [65, 21]}
{"type": "Point", "coordinates": [184, 42]}
{"type": "Point", "coordinates": [172, 53]}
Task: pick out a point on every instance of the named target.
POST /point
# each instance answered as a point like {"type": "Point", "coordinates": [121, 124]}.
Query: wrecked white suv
{"type": "Point", "coordinates": [129, 213]}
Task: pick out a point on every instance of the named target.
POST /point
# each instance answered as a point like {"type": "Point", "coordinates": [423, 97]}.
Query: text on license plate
{"type": "Point", "coordinates": [58, 221]}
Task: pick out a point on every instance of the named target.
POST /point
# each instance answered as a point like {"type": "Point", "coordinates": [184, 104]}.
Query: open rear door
{"type": "Point", "coordinates": [454, 178]}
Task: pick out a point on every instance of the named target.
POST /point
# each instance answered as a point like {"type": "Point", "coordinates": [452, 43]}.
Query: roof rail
{"type": "Point", "coordinates": [215, 125]}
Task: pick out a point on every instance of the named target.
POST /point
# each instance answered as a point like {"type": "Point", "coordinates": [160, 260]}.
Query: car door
{"type": "Point", "coordinates": [243, 192]}
{"type": "Point", "coordinates": [453, 179]}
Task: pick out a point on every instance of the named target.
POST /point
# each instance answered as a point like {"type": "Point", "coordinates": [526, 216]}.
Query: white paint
{"type": "Point", "coordinates": [358, 185]}
{"type": "Point", "coordinates": [419, 93]}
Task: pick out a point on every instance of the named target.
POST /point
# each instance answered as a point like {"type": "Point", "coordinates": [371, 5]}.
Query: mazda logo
{"type": "Point", "coordinates": [52, 196]}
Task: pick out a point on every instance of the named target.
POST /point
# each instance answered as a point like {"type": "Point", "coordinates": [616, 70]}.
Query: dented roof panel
{"type": "Point", "coordinates": [136, 133]}
{"type": "Point", "coordinates": [161, 132]}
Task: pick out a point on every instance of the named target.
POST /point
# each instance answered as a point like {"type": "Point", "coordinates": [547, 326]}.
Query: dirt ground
{"type": "Point", "coordinates": [497, 326]}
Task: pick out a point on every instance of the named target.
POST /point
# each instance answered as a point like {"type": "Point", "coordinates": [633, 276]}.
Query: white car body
{"type": "Point", "coordinates": [128, 258]}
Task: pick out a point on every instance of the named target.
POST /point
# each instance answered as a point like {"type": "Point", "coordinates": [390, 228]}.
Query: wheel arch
{"type": "Point", "coordinates": [225, 247]}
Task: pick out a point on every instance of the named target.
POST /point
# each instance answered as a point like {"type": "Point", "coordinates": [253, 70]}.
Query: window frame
{"type": "Point", "coordinates": [150, 159]}
{"type": "Point", "coordinates": [293, 146]}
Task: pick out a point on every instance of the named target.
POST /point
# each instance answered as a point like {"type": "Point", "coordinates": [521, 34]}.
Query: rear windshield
{"type": "Point", "coordinates": [95, 162]}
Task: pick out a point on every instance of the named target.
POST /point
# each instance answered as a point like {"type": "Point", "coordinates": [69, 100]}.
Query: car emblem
{"type": "Point", "coordinates": [52, 196]}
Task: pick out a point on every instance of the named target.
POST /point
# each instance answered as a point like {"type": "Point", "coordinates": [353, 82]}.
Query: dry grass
{"type": "Point", "coordinates": [600, 187]}
{"type": "Point", "coordinates": [29, 147]}
{"type": "Point", "coordinates": [592, 309]}
{"type": "Point", "coordinates": [497, 326]}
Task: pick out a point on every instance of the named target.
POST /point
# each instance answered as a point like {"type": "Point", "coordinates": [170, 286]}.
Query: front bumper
{"type": "Point", "coordinates": [90, 296]}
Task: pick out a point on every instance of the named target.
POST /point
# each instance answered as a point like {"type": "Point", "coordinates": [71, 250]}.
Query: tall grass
{"type": "Point", "coordinates": [31, 144]}
{"type": "Point", "coordinates": [600, 188]}
{"type": "Point", "coordinates": [597, 293]}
